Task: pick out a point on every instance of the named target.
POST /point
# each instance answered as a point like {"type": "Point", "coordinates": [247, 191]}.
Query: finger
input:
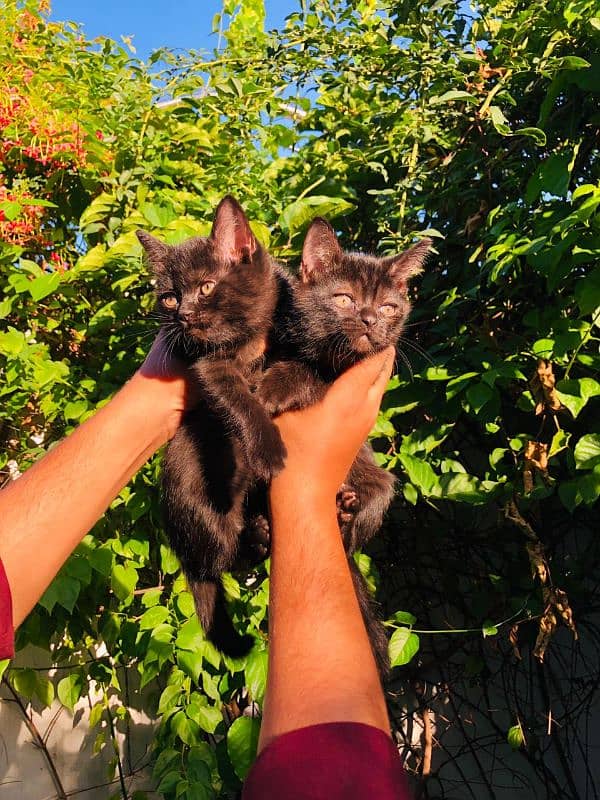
{"type": "Point", "coordinates": [385, 373]}
{"type": "Point", "coordinates": [367, 373]}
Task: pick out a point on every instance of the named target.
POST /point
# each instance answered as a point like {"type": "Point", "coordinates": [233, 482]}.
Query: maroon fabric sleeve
{"type": "Point", "coordinates": [6, 623]}
{"type": "Point", "coordinates": [333, 761]}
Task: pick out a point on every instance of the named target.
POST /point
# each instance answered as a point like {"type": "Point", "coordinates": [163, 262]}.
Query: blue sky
{"type": "Point", "coordinates": [157, 23]}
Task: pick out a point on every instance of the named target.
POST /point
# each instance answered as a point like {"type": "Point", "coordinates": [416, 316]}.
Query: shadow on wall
{"type": "Point", "coordinates": [30, 771]}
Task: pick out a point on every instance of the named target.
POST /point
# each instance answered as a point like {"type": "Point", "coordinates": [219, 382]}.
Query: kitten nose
{"type": "Point", "coordinates": [184, 317]}
{"type": "Point", "coordinates": [368, 316]}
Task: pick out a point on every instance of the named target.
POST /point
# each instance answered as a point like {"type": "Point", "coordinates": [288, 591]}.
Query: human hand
{"type": "Point", "coordinates": [322, 440]}
{"type": "Point", "coordinates": [164, 387]}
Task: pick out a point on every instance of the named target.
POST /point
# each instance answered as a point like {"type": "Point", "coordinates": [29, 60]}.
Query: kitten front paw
{"type": "Point", "coordinates": [266, 454]}
{"type": "Point", "coordinates": [275, 400]}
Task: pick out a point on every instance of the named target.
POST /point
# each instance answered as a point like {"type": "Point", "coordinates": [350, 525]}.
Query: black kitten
{"type": "Point", "coordinates": [216, 299]}
{"type": "Point", "coordinates": [345, 307]}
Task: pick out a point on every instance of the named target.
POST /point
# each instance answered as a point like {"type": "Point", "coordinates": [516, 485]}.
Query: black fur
{"type": "Point", "coordinates": [320, 337]}
{"type": "Point", "coordinates": [228, 443]}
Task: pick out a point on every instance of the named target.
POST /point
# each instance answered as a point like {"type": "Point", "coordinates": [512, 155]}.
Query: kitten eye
{"type": "Point", "coordinates": [343, 300]}
{"type": "Point", "coordinates": [169, 300]}
{"type": "Point", "coordinates": [207, 287]}
{"type": "Point", "coordinates": [388, 309]}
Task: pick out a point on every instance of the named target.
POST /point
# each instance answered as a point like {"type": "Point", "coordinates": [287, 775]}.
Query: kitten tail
{"type": "Point", "coordinates": [375, 628]}
{"type": "Point", "coordinates": [209, 599]}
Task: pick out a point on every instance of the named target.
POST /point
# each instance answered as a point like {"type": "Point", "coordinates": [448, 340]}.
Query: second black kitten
{"type": "Point", "coordinates": [216, 297]}
{"type": "Point", "coordinates": [345, 307]}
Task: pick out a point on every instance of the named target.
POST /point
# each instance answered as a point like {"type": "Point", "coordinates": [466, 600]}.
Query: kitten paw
{"type": "Point", "coordinates": [266, 455]}
{"type": "Point", "coordinates": [347, 503]}
{"type": "Point", "coordinates": [258, 537]}
{"type": "Point", "coordinates": [348, 506]}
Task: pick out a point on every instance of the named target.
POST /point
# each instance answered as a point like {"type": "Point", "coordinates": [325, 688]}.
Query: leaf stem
{"type": "Point", "coordinates": [581, 343]}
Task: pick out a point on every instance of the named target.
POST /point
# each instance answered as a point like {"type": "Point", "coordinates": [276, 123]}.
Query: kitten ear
{"type": "Point", "coordinates": [231, 235]}
{"type": "Point", "coordinates": [321, 249]}
{"type": "Point", "coordinates": [410, 263]}
{"type": "Point", "coordinates": [155, 250]}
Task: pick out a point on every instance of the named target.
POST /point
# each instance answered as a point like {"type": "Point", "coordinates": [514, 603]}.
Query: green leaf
{"type": "Point", "coordinates": [70, 688]}
{"type": "Point", "coordinates": [515, 737]}
{"type": "Point", "coordinates": [537, 134]}
{"type": "Point", "coordinates": [92, 260]}
{"type": "Point", "coordinates": [185, 604]}
{"type": "Point", "coordinates": [75, 409]}
{"type": "Point", "coordinates": [403, 647]}
{"type": "Point", "coordinates": [463, 488]}
{"type": "Point", "coordinates": [453, 94]}
{"type": "Point", "coordinates": [560, 441]}
{"type": "Point", "coordinates": [420, 473]}
{"type": "Point", "coordinates": [488, 629]}
{"type": "Point", "coordinates": [298, 214]}
{"type": "Point", "coordinates": [571, 62]}
{"type": "Point", "coordinates": [499, 121]}
{"type": "Point", "coordinates": [543, 348]}
{"type": "Point", "coordinates": [63, 590]}
{"type": "Point", "coordinates": [410, 493]}
{"type": "Point", "coordinates": [167, 758]}
{"type": "Point", "coordinates": [231, 586]}
{"type": "Point", "coordinates": [24, 681]}
{"type": "Point", "coordinates": [242, 743]}
{"type": "Point", "coordinates": [12, 342]}
{"type": "Point", "coordinates": [587, 451]}
{"type": "Point", "coordinates": [44, 689]}
{"type": "Point", "coordinates": [43, 286]}
{"type": "Point", "coordinates": [368, 570]}
{"type": "Point", "coordinates": [185, 728]}
{"type": "Point", "coordinates": [256, 668]}
{"type": "Point", "coordinates": [574, 394]}
{"type": "Point", "coordinates": [123, 580]}
{"type": "Point", "coordinates": [158, 216]}
{"type": "Point", "coordinates": [169, 781]}
{"type": "Point", "coordinates": [154, 617]}
{"type": "Point", "coordinates": [168, 560]}
{"type": "Point", "coordinates": [382, 428]}
{"type": "Point", "coordinates": [478, 394]}
{"type": "Point", "coordinates": [190, 636]}
{"type": "Point", "coordinates": [169, 698]}
{"type": "Point", "coordinates": [96, 714]}
{"type": "Point", "coordinates": [587, 292]}
{"type": "Point", "coordinates": [552, 176]}
{"type": "Point", "coordinates": [404, 618]}
{"type": "Point", "coordinates": [207, 717]}
{"type": "Point", "coordinates": [151, 597]}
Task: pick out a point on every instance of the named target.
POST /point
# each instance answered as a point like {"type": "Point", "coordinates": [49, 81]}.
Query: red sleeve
{"type": "Point", "coordinates": [333, 761]}
{"type": "Point", "coordinates": [6, 623]}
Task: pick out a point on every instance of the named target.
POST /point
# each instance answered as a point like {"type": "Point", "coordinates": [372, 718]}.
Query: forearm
{"type": "Point", "coordinates": [321, 666]}
{"type": "Point", "coordinates": [46, 512]}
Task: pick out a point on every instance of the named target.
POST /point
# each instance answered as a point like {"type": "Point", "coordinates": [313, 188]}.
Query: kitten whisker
{"type": "Point", "coordinates": [404, 358]}
{"type": "Point", "coordinates": [418, 349]}
{"type": "Point", "coordinates": [420, 322]}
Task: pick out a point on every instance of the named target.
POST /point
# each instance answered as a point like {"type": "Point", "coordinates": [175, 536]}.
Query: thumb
{"type": "Point", "coordinates": [367, 378]}
{"type": "Point", "coordinates": [386, 367]}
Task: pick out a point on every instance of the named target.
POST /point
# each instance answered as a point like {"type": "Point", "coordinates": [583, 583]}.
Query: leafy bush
{"type": "Point", "coordinates": [481, 128]}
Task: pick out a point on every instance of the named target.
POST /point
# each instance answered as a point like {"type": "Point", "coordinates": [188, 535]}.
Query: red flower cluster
{"type": "Point", "coordinates": [58, 263]}
{"type": "Point", "coordinates": [47, 143]}
{"type": "Point", "coordinates": [24, 230]}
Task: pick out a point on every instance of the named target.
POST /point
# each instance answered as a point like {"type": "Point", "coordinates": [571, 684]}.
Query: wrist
{"type": "Point", "coordinates": [307, 493]}
{"type": "Point", "coordinates": [155, 404]}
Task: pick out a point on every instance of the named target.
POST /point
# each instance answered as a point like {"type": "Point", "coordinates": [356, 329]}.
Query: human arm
{"type": "Point", "coordinates": [47, 511]}
{"type": "Point", "coordinates": [321, 666]}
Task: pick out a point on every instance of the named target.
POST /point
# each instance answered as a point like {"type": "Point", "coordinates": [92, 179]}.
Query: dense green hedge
{"type": "Point", "coordinates": [480, 126]}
